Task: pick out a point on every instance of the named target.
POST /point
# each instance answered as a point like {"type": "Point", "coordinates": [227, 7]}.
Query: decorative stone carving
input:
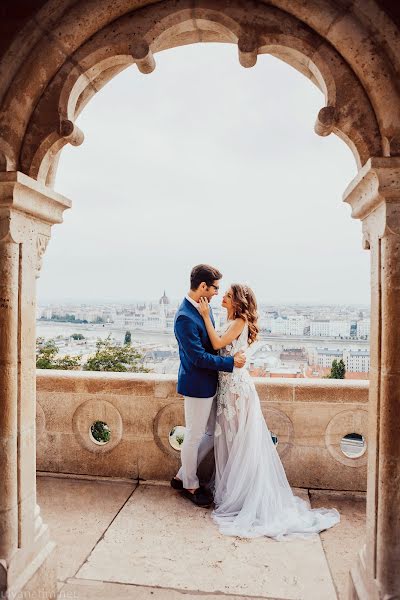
{"type": "Point", "coordinates": [143, 56]}
{"type": "Point", "coordinates": [325, 121]}
{"type": "Point", "coordinates": [362, 35]}
{"type": "Point", "coordinates": [48, 151]}
{"type": "Point", "coordinates": [41, 245]}
{"type": "Point", "coordinates": [105, 53]}
{"type": "Point", "coordinates": [72, 134]}
{"type": "Point", "coordinates": [248, 48]}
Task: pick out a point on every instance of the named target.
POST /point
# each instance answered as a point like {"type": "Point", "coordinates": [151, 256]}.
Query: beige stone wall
{"type": "Point", "coordinates": [309, 418]}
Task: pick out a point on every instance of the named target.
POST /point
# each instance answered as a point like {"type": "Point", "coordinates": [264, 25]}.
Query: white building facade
{"type": "Point", "coordinates": [355, 360]}
{"type": "Point", "coordinates": [290, 325]}
{"type": "Point", "coordinates": [319, 328]}
{"type": "Point", "coordinates": [363, 328]}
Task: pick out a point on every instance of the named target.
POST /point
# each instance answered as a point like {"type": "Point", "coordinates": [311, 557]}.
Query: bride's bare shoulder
{"type": "Point", "coordinates": [239, 323]}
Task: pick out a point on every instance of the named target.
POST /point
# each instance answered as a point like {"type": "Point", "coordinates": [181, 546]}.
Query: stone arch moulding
{"type": "Point", "coordinates": [136, 36]}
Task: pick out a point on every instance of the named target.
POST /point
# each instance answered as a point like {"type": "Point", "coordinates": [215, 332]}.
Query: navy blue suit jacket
{"type": "Point", "coordinates": [198, 371]}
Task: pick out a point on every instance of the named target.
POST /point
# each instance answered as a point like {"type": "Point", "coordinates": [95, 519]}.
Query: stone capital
{"type": "Point", "coordinates": [374, 197]}
{"type": "Point", "coordinates": [378, 181]}
{"type": "Point", "coordinates": [24, 199]}
{"type": "Point", "coordinates": [28, 209]}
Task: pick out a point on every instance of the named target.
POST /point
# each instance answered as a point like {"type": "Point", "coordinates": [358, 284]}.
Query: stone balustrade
{"type": "Point", "coordinates": [309, 418]}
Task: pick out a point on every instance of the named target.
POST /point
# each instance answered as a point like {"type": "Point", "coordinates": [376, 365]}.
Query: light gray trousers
{"type": "Point", "coordinates": [200, 414]}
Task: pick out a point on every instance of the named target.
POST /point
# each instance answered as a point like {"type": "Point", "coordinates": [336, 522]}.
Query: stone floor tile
{"type": "Point", "coordinates": [78, 512]}
{"type": "Point", "coordinates": [98, 590]}
{"type": "Point", "coordinates": [343, 542]}
{"type": "Point", "coordinates": [161, 540]}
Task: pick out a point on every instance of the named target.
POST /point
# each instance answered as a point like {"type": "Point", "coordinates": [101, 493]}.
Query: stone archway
{"type": "Point", "coordinates": [50, 72]}
{"type": "Point", "coordinates": [34, 142]}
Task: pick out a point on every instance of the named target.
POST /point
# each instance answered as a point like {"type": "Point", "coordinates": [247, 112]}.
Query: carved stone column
{"type": "Point", "coordinates": [27, 212]}
{"type": "Point", "coordinates": [374, 196]}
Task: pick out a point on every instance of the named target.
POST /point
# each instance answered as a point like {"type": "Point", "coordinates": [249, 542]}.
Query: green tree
{"type": "Point", "coordinates": [338, 370]}
{"type": "Point", "coordinates": [45, 353]}
{"type": "Point", "coordinates": [46, 357]}
{"type": "Point", "coordinates": [67, 318]}
{"type": "Point", "coordinates": [128, 338]}
{"type": "Point", "coordinates": [110, 357]}
{"type": "Point", "coordinates": [77, 336]}
{"type": "Point", "coordinates": [68, 363]}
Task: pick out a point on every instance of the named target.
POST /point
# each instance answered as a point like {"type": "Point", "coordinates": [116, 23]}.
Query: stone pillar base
{"type": "Point", "coordinates": [360, 586]}
{"type": "Point", "coordinates": [39, 579]}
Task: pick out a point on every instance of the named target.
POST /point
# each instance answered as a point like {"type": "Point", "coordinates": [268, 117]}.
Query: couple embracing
{"type": "Point", "coordinates": [251, 493]}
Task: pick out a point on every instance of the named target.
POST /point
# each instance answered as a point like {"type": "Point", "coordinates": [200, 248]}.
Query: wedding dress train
{"type": "Point", "coordinates": [252, 494]}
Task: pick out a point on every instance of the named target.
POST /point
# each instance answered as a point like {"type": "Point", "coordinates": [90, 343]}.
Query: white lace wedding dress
{"type": "Point", "coordinates": [252, 494]}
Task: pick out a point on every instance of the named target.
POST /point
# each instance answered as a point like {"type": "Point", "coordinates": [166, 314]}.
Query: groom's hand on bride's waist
{"type": "Point", "coordinates": [239, 359]}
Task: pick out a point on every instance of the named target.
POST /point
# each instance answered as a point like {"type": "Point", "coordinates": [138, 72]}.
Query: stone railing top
{"type": "Point", "coordinates": [270, 381]}
{"type": "Point", "coordinates": [63, 374]}
{"type": "Point", "coordinates": [158, 385]}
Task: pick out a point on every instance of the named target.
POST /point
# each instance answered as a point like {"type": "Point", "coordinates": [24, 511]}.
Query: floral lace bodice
{"type": "Point", "coordinates": [232, 387]}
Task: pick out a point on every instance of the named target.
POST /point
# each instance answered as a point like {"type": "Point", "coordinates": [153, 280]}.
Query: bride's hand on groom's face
{"type": "Point", "coordinates": [204, 307]}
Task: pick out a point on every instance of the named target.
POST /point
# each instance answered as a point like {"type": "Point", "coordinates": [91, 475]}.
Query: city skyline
{"type": "Point", "coordinates": [293, 341]}
{"type": "Point", "coordinates": [200, 177]}
{"type": "Point", "coordinates": [175, 300]}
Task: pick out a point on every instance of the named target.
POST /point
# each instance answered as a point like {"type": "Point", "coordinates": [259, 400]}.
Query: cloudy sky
{"type": "Point", "coordinates": [204, 161]}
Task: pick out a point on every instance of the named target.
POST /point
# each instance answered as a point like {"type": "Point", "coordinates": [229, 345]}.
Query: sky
{"type": "Point", "coordinates": [204, 161]}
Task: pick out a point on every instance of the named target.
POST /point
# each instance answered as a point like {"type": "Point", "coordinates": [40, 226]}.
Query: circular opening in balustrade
{"type": "Point", "coordinates": [100, 433]}
{"type": "Point", "coordinates": [176, 437]}
{"type": "Point", "coordinates": [353, 445]}
{"type": "Point", "coordinates": [274, 438]}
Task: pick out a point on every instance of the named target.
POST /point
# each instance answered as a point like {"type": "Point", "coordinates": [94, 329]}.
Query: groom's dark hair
{"type": "Point", "coordinates": [204, 273]}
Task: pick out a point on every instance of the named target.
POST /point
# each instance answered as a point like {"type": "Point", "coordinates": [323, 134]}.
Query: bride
{"type": "Point", "coordinates": [252, 494]}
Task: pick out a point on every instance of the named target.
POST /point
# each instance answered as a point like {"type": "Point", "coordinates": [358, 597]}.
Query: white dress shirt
{"type": "Point", "coordinates": [195, 304]}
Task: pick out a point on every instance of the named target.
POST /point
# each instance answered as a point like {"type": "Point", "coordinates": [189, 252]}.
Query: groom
{"type": "Point", "coordinates": [197, 381]}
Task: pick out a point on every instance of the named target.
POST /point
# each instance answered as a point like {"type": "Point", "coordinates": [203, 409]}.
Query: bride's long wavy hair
{"type": "Point", "coordinates": [245, 307]}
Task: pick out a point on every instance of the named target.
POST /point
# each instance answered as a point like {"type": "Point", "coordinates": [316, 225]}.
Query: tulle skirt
{"type": "Point", "coordinates": [252, 494]}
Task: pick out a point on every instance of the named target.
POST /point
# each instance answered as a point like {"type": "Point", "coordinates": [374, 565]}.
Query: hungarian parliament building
{"type": "Point", "coordinates": [158, 317]}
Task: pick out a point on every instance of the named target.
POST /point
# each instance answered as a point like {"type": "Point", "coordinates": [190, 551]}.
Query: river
{"type": "Point", "coordinates": [92, 331]}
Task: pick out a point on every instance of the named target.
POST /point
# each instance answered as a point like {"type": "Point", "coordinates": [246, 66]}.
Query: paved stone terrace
{"type": "Point", "coordinates": [120, 540]}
